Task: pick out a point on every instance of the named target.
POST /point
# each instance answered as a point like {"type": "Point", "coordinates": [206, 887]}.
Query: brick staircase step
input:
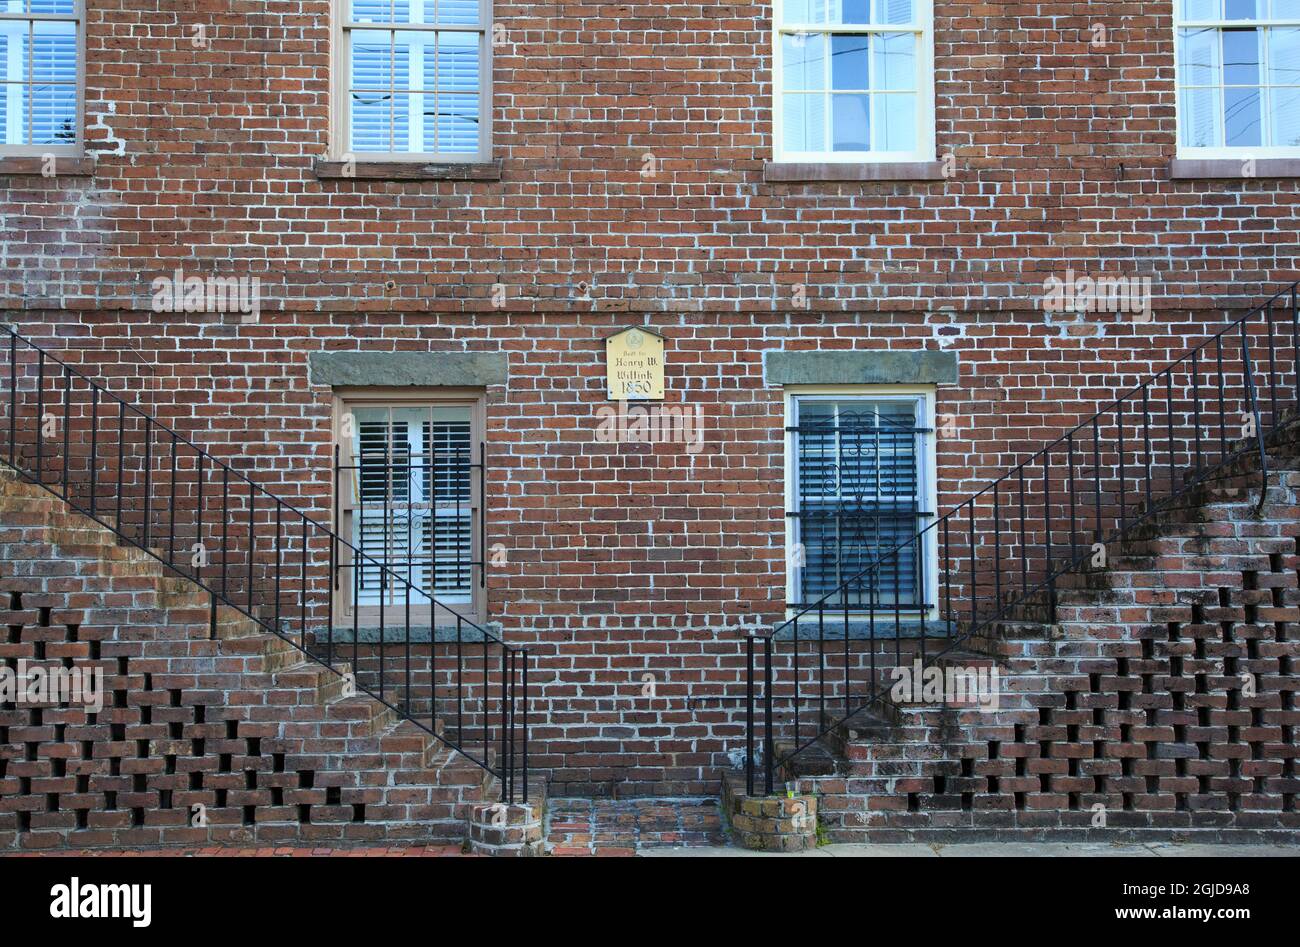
{"type": "Point", "coordinates": [246, 725]}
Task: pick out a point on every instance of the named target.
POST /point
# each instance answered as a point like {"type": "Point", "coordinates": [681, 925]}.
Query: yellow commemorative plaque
{"type": "Point", "coordinates": [634, 365]}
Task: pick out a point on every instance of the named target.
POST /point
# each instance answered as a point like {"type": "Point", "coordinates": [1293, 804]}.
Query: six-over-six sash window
{"type": "Point", "coordinates": [415, 79]}
{"type": "Point", "coordinates": [1238, 77]}
{"type": "Point", "coordinates": [40, 46]}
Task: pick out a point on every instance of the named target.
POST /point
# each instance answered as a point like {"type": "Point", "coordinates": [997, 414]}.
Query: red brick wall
{"type": "Point", "coordinates": [628, 557]}
{"type": "Point", "coordinates": [1061, 150]}
{"type": "Point", "coordinates": [623, 559]}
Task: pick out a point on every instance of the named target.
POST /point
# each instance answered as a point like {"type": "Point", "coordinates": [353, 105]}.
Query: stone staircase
{"type": "Point", "coordinates": [231, 739]}
{"type": "Point", "coordinates": [1161, 703]}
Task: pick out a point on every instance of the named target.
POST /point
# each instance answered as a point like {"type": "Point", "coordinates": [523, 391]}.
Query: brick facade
{"type": "Point", "coordinates": [1162, 703]}
{"type": "Point", "coordinates": [196, 739]}
{"type": "Point", "coordinates": [626, 559]}
{"type": "Point", "coordinates": [1061, 145]}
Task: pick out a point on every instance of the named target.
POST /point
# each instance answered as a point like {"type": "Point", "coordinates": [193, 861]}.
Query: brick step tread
{"type": "Point", "coordinates": [864, 725]}
{"type": "Point", "coordinates": [819, 758]}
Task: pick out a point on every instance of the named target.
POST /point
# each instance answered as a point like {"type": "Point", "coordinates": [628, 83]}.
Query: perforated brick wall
{"type": "Point", "coordinates": [626, 560]}
{"type": "Point", "coordinates": [234, 740]}
{"type": "Point", "coordinates": [1163, 704]}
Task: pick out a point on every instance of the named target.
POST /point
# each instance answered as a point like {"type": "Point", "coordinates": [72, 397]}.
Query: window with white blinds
{"type": "Point", "coordinates": [860, 482]}
{"type": "Point", "coordinates": [40, 52]}
{"type": "Point", "coordinates": [410, 506]}
{"type": "Point", "coordinates": [417, 81]}
{"type": "Point", "coordinates": [1238, 69]}
{"type": "Point", "coordinates": [854, 80]}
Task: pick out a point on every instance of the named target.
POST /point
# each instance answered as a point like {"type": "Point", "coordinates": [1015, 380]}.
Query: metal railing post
{"type": "Point", "coordinates": [769, 744]}
{"type": "Point", "coordinates": [1249, 369]}
{"type": "Point", "coordinates": [749, 715]}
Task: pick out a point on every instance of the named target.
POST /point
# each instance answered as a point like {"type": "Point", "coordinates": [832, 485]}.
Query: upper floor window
{"type": "Point", "coordinates": [1238, 76]}
{"type": "Point", "coordinates": [40, 48]}
{"type": "Point", "coordinates": [854, 80]}
{"type": "Point", "coordinates": [414, 79]}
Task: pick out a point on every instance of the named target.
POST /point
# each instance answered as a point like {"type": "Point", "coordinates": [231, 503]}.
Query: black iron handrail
{"type": "Point", "coordinates": [1042, 511]}
{"type": "Point", "coordinates": [259, 555]}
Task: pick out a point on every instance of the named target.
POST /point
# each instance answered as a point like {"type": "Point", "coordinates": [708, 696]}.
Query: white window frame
{"type": "Point", "coordinates": [471, 606]}
{"type": "Point", "coordinates": [927, 475]}
{"type": "Point", "coordinates": [925, 79]}
{"type": "Point", "coordinates": [1235, 152]}
{"type": "Point", "coordinates": [78, 18]}
{"type": "Point", "coordinates": [341, 70]}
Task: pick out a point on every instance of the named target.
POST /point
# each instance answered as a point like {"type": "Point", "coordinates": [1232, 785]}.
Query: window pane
{"type": "Point", "coordinates": [372, 11]}
{"type": "Point", "coordinates": [849, 66]}
{"type": "Point", "coordinates": [372, 58]}
{"type": "Point", "coordinates": [1286, 9]}
{"type": "Point", "coordinates": [894, 12]}
{"type": "Point", "coordinates": [804, 61]}
{"type": "Point", "coordinates": [458, 12]}
{"type": "Point", "coordinates": [895, 61]}
{"type": "Point", "coordinates": [1199, 118]}
{"type": "Point", "coordinates": [850, 12]}
{"type": "Point", "coordinates": [804, 11]}
{"type": "Point", "coordinates": [403, 103]}
{"type": "Point", "coordinates": [456, 118]}
{"type": "Point", "coordinates": [1241, 9]}
{"type": "Point", "coordinates": [1286, 118]}
{"type": "Point", "coordinates": [14, 47]}
{"type": "Point", "coordinates": [1241, 57]}
{"type": "Point", "coordinates": [371, 121]}
{"type": "Point", "coordinates": [448, 435]}
{"type": "Point", "coordinates": [1241, 120]}
{"type": "Point", "coordinates": [852, 123]}
{"type": "Point", "coordinates": [54, 51]}
{"type": "Point", "coordinates": [457, 59]}
{"type": "Point", "coordinates": [1198, 57]}
{"type": "Point", "coordinates": [408, 55]}
{"type": "Point", "coordinates": [1201, 9]}
{"type": "Point", "coordinates": [37, 6]}
{"type": "Point", "coordinates": [13, 99]}
{"type": "Point", "coordinates": [804, 122]}
{"type": "Point", "coordinates": [895, 122]}
{"type": "Point", "coordinates": [54, 114]}
{"type": "Point", "coordinates": [1284, 57]}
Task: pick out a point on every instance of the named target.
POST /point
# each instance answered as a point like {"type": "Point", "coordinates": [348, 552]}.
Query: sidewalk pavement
{"type": "Point", "coordinates": [997, 850]}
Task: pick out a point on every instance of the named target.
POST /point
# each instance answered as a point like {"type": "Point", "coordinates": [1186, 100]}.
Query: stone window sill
{"type": "Point", "coordinates": [407, 171]}
{"type": "Point", "coordinates": [791, 172]}
{"type": "Point", "coordinates": [35, 165]}
{"type": "Point", "coordinates": [1232, 168]}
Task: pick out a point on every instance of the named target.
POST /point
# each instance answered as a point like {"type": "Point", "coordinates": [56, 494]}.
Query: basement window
{"type": "Point", "coordinates": [40, 53]}
{"type": "Point", "coordinates": [409, 488]}
{"type": "Point", "coordinates": [860, 487]}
